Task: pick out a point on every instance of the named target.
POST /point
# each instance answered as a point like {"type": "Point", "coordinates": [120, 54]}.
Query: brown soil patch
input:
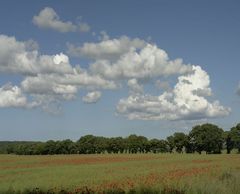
{"type": "Point", "coordinates": [78, 161]}
{"type": "Point", "coordinates": [179, 173]}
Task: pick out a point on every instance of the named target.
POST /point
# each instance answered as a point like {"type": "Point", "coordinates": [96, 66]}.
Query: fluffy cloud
{"type": "Point", "coordinates": [15, 57]}
{"type": "Point", "coordinates": [49, 19]}
{"type": "Point", "coordinates": [82, 78]}
{"type": "Point", "coordinates": [106, 49]}
{"type": "Point", "coordinates": [50, 79]}
{"type": "Point", "coordinates": [92, 97]}
{"type": "Point", "coordinates": [183, 103]}
{"type": "Point", "coordinates": [126, 58]}
{"type": "Point", "coordinates": [146, 63]}
{"type": "Point", "coordinates": [66, 85]}
{"type": "Point", "coordinates": [12, 96]}
{"type": "Point", "coordinates": [45, 77]}
{"type": "Point", "coordinates": [23, 58]}
{"type": "Point", "coordinates": [134, 86]}
{"type": "Point", "coordinates": [47, 85]}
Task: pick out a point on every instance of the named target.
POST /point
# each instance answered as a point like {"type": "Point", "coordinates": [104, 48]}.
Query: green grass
{"type": "Point", "coordinates": [190, 173]}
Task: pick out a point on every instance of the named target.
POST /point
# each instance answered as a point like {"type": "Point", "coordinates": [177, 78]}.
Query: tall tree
{"type": "Point", "coordinates": [115, 145]}
{"type": "Point", "coordinates": [235, 136]}
{"type": "Point", "coordinates": [170, 143]}
{"type": "Point", "coordinates": [86, 144]}
{"type": "Point", "coordinates": [136, 143]}
{"type": "Point", "coordinates": [229, 144]}
{"type": "Point", "coordinates": [207, 137]}
{"type": "Point", "coordinates": [158, 146]}
{"type": "Point", "coordinates": [180, 141]}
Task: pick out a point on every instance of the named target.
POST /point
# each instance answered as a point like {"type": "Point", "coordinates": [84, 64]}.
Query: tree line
{"type": "Point", "coordinates": [207, 137]}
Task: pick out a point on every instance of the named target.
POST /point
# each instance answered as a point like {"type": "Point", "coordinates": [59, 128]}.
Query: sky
{"type": "Point", "coordinates": [115, 68]}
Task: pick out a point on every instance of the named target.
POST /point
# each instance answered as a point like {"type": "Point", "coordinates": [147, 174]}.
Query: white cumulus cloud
{"type": "Point", "coordinates": [47, 80]}
{"type": "Point", "coordinates": [64, 85]}
{"type": "Point", "coordinates": [48, 85]}
{"type": "Point", "coordinates": [106, 49]}
{"type": "Point", "coordinates": [146, 63]}
{"type": "Point", "coordinates": [92, 97]}
{"type": "Point", "coordinates": [134, 86]}
{"type": "Point", "coordinates": [125, 58]}
{"type": "Point", "coordinates": [183, 103]}
{"type": "Point", "coordinates": [49, 19]}
{"type": "Point", "coordinates": [16, 58]}
{"type": "Point", "coordinates": [12, 96]}
{"type": "Point", "coordinates": [45, 77]}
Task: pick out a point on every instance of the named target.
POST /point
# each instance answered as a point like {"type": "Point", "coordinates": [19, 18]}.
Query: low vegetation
{"type": "Point", "coordinates": [120, 173]}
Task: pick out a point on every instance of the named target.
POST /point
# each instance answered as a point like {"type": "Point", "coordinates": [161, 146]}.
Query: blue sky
{"type": "Point", "coordinates": [91, 67]}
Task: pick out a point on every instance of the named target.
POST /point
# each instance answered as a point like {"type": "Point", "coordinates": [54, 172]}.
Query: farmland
{"type": "Point", "coordinates": [183, 173]}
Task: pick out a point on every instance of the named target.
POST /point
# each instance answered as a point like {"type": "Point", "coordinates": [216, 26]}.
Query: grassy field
{"type": "Point", "coordinates": [171, 173]}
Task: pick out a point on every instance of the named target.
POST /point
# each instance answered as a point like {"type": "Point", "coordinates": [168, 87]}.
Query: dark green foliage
{"type": "Point", "coordinates": [90, 144]}
{"type": "Point", "coordinates": [206, 137]}
{"type": "Point", "coordinates": [158, 146]}
{"type": "Point", "coordinates": [116, 145]}
{"type": "Point", "coordinates": [180, 141]}
{"type": "Point", "coordinates": [235, 136]}
{"type": "Point", "coordinates": [171, 144]}
{"type": "Point", "coordinates": [8, 147]}
{"type": "Point", "coordinates": [229, 143]}
{"type": "Point", "coordinates": [136, 144]}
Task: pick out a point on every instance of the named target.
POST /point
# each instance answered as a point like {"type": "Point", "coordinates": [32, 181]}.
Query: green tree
{"type": "Point", "coordinates": [136, 144]}
{"type": "Point", "coordinates": [158, 146]}
{"type": "Point", "coordinates": [235, 136]}
{"type": "Point", "coordinates": [86, 144]}
{"type": "Point", "coordinates": [65, 147]}
{"type": "Point", "coordinates": [189, 147]}
{"type": "Point", "coordinates": [207, 137]}
{"type": "Point", "coordinates": [180, 141]}
{"type": "Point", "coordinates": [229, 144]}
{"type": "Point", "coordinates": [115, 145]}
{"type": "Point", "coordinates": [100, 144]}
{"type": "Point", "coordinates": [49, 147]}
{"type": "Point", "coordinates": [170, 143]}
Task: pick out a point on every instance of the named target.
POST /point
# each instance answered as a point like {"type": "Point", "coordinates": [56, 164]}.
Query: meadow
{"type": "Point", "coordinates": [161, 173]}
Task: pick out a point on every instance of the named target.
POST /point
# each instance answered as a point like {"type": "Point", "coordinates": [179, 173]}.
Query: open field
{"type": "Point", "coordinates": [187, 173]}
